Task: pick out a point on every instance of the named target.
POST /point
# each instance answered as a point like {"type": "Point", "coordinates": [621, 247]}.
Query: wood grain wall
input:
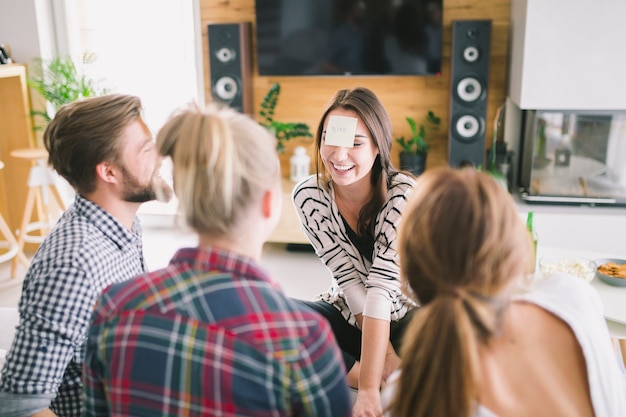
{"type": "Point", "coordinates": [304, 98]}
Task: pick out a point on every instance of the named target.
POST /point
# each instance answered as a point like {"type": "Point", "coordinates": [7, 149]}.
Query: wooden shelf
{"type": "Point", "coordinates": [16, 132]}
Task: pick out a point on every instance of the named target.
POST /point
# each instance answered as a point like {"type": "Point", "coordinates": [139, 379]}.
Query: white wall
{"type": "Point", "coordinates": [568, 54]}
{"type": "Point", "coordinates": [27, 29]}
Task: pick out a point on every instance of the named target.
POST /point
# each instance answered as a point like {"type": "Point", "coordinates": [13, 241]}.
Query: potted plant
{"type": "Point", "coordinates": [60, 82]}
{"type": "Point", "coordinates": [282, 131]}
{"type": "Point", "coordinates": [415, 148]}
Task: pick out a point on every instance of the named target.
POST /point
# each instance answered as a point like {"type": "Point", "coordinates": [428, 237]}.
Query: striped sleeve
{"type": "Point", "coordinates": [383, 281]}
{"type": "Point", "coordinates": [322, 225]}
{"type": "Point", "coordinates": [372, 289]}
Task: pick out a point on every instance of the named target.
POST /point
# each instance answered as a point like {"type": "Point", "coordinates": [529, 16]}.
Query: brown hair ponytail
{"type": "Point", "coordinates": [461, 245]}
{"type": "Point", "coordinates": [441, 352]}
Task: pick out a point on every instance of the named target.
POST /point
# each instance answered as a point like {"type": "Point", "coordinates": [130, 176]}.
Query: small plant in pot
{"type": "Point", "coordinates": [282, 131]}
{"type": "Point", "coordinates": [415, 148]}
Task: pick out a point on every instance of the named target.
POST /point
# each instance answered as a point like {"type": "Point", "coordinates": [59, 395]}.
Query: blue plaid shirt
{"type": "Point", "coordinates": [86, 251]}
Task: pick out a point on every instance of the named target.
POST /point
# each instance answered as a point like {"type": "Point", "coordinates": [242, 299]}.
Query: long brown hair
{"type": "Point", "coordinates": [371, 110]}
{"type": "Point", "coordinates": [461, 245]}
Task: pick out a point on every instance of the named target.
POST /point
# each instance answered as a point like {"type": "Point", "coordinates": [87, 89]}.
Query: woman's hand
{"type": "Point", "coordinates": [367, 404]}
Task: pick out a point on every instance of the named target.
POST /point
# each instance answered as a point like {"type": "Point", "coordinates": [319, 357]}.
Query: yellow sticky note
{"type": "Point", "coordinates": [340, 131]}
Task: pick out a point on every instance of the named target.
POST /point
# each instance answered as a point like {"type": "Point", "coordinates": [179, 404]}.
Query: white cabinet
{"type": "Point", "coordinates": [568, 54]}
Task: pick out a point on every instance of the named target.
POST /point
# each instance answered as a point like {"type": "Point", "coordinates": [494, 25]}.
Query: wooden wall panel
{"type": "Point", "coordinates": [303, 98]}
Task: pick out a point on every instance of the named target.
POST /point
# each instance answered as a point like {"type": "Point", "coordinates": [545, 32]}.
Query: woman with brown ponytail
{"type": "Point", "coordinates": [477, 347]}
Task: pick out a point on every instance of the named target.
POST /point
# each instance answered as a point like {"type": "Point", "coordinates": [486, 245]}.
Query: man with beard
{"type": "Point", "coordinates": [103, 148]}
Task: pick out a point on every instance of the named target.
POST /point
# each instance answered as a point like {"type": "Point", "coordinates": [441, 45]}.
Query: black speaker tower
{"type": "Point", "coordinates": [468, 102]}
{"type": "Point", "coordinates": [230, 64]}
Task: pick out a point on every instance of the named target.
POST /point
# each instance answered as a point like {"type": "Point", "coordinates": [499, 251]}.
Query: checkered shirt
{"type": "Point", "coordinates": [210, 335]}
{"type": "Point", "coordinates": [86, 251]}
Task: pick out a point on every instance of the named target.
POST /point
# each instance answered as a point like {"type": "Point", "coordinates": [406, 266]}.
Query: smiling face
{"type": "Point", "coordinates": [348, 166]}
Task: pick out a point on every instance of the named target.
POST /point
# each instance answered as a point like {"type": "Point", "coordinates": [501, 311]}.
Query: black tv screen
{"type": "Point", "coordinates": [348, 37]}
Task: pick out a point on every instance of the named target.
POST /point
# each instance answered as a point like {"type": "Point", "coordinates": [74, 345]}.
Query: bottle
{"type": "Point", "coordinates": [533, 235]}
{"type": "Point", "coordinates": [299, 164]}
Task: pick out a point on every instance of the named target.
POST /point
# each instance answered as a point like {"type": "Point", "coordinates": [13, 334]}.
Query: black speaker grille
{"type": "Point", "coordinates": [468, 99]}
{"type": "Point", "coordinates": [229, 64]}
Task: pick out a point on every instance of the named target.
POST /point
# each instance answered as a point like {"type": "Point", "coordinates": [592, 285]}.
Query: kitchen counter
{"type": "Point", "coordinates": [584, 228]}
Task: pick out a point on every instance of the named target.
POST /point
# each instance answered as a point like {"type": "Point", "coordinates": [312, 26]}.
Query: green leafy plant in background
{"type": "Point", "coordinates": [416, 143]}
{"type": "Point", "coordinates": [415, 148]}
{"type": "Point", "coordinates": [283, 131]}
{"type": "Point", "coordinates": [59, 81]}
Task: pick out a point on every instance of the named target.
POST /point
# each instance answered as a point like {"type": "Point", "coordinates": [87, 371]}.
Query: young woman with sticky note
{"type": "Point", "coordinates": [350, 210]}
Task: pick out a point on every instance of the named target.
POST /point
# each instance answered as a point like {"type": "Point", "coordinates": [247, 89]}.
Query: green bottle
{"type": "Point", "coordinates": [533, 235]}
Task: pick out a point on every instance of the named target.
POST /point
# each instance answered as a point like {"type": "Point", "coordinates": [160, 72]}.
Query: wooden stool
{"type": "Point", "coordinates": [13, 250]}
{"type": "Point", "coordinates": [41, 186]}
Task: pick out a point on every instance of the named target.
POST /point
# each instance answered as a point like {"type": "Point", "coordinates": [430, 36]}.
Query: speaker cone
{"type": "Point", "coordinates": [225, 55]}
{"type": "Point", "coordinates": [469, 89]}
{"type": "Point", "coordinates": [226, 88]}
{"type": "Point", "coordinates": [468, 126]}
{"type": "Point", "coordinates": [471, 54]}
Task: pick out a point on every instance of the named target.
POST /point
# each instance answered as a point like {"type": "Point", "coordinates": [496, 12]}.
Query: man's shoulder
{"type": "Point", "coordinates": [71, 232]}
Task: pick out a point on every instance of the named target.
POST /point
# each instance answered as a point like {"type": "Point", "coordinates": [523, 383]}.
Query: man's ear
{"type": "Point", "coordinates": [106, 172]}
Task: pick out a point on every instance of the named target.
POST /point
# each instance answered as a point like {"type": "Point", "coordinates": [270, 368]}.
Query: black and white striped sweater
{"type": "Point", "coordinates": [359, 286]}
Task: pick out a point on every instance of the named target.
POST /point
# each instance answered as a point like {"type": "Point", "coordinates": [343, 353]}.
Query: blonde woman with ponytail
{"type": "Point", "coordinates": [477, 349]}
{"type": "Point", "coordinates": [212, 334]}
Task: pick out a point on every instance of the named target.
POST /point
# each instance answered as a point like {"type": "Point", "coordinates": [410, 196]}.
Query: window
{"type": "Point", "coordinates": [141, 47]}
{"type": "Point", "coordinates": [149, 48]}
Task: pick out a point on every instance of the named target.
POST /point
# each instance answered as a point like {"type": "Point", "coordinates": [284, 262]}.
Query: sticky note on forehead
{"type": "Point", "coordinates": [340, 131]}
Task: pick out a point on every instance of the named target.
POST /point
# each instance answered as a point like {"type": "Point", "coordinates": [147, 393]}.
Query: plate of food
{"type": "Point", "coordinates": [611, 271]}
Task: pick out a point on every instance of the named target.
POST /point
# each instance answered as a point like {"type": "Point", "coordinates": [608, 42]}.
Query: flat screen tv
{"type": "Point", "coordinates": [348, 37]}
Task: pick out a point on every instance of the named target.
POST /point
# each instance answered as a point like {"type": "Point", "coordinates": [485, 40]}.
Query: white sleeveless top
{"type": "Point", "coordinates": [576, 303]}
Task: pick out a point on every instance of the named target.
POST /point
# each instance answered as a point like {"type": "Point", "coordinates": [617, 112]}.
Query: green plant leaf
{"type": "Point", "coordinates": [59, 82]}
{"type": "Point", "coordinates": [417, 143]}
{"type": "Point", "coordinates": [282, 131]}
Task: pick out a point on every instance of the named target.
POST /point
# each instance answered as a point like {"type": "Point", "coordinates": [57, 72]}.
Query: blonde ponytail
{"type": "Point", "coordinates": [222, 160]}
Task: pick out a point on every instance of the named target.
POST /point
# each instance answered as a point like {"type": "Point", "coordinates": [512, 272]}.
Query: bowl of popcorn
{"type": "Point", "coordinates": [576, 266]}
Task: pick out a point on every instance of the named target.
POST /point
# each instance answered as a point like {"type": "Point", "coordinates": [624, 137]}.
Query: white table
{"type": "Point", "coordinates": [613, 298]}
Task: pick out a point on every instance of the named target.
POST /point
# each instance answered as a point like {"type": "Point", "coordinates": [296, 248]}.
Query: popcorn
{"type": "Point", "coordinates": [576, 267]}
